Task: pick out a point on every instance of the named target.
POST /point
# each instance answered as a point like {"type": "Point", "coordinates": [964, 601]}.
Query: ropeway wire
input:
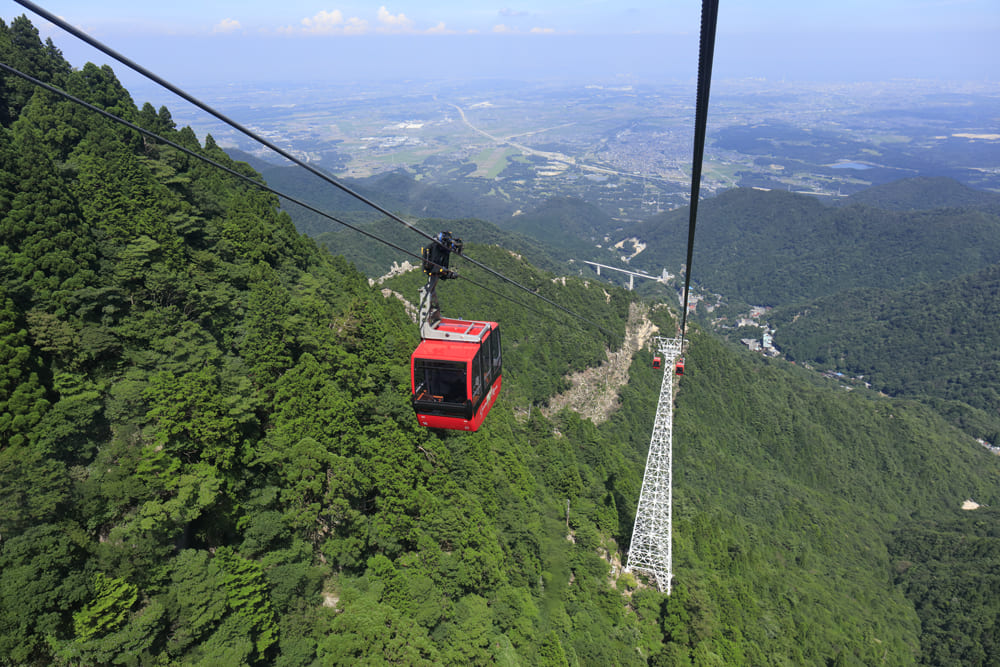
{"type": "Point", "coordinates": [194, 154]}
{"type": "Point", "coordinates": [539, 296]}
{"type": "Point", "coordinates": [107, 50]}
{"type": "Point", "coordinates": [706, 51]}
{"type": "Point", "coordinates": [79, 34]}
{"type": "Point", "coordinates": [263, 186]}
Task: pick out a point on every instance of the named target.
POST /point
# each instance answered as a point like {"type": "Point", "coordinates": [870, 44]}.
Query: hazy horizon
{"type": "Point", "coordinates": [217, 43]}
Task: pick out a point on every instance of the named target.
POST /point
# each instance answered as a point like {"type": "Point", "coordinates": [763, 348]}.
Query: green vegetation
{"type": "Point", "coordinates": [396, 191]}
{"type": "Point", "coordinates": [950, 568]}
{"type": "Point", "coordinates": [903, 297]}
{"type": "Point", "coordinates": [778, 248]}
{"type": "Point", "coordinates": [938, 341]}
{"type": "Point", "coordinates": [572, 224]}
{"type": "Point", "coordinates": [376, 259]}
{"type": "Point", "coordinates": [492, 161]}
{"type": "Point", "coordinates": [207, 455]}
{"type": "Point", "coordinates": [920, 194]}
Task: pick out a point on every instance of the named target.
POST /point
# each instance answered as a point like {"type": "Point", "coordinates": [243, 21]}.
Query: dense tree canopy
{"type": "Point", "coordinates": [780, 248]}
{"type": "Point", "coordinates": [938, 341]}
{"type": "Point", "coordinates": [207, 453]}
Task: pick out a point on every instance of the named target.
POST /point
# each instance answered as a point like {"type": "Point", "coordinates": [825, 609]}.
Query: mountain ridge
{"type": "Point", "coordinates": [773, 248]}
{"type": "Point", "coordinates": [922, 193]}
{"type": "Point", "coordinates": [208, 455]}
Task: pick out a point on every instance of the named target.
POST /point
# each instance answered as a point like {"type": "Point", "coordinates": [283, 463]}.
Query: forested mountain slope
{"type": "Point", "coordinates": [395, 191]}
{"type": "Point", "coordinates": [918, 194]}
{"type": "Point", "coordinates": [555, 236]}
{"type": "Point", "coordinates": [567, 223]}
{"type": "Point", "coordinates": [940, 340]}
{"type": "Point", "coordinates": [777, 248]}
{"type": "Point", "coordinates": [207, 455]}
{"type": "Point", "coordinates": [376, 259]}
{"type": "Point", "coordinates": [950, 567]}
{"type": "Point", "coordinates": [791, 488]}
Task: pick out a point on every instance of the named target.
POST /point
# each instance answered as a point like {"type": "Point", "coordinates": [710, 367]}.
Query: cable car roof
{"type": "Point", "coordinates": [453, 350]}
{"type": "Point", "coordinates": [440, 350]}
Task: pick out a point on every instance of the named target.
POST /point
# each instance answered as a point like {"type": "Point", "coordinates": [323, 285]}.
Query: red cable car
{"type": "Point", "coordinates": [454, 382]}
{"type": "Point", "coordinates": [455, 372]}
{"type": "Point", "coordinates": [656, 362]}
{"type": "Point", "coordinates": [680, 366]}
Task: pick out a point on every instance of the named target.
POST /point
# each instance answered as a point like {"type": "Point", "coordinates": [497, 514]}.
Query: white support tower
{"type": "Point", "coordinates": [651, 550]}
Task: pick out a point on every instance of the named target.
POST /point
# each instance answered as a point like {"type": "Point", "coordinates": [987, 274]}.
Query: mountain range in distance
{"type": "Point", "coordinates": [208, 453]}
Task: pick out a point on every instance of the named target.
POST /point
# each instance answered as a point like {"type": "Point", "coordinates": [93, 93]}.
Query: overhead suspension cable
{"type": "Point", "coordinates": [107, 50]}
{"type": "Point", "coordinates": [543, 298]}
{"type": "Point", "coordinates": [258, 184]}
{"type": "Point", "coordinates": [194, 154]}
{"type": "Point", "coordinates": [79, 34]}
{"type": "Point", "coordinates": [706, 51]}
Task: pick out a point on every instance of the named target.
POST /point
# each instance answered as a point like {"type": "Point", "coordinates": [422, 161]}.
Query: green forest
{"type": "Point", "coordinates": [937, 341]}
{"type": "Point", "coordinates": [780, 248]}
{"type": "Point", "coordinates": [208, 454]}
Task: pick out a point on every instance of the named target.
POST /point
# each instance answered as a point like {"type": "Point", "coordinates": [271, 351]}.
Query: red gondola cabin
{"type": "Point", "coordinates": [680, 366]}
{"type": "Point", "coordinates": [455, 383]}
{"type": "Point", "coordinates": [656, 362]}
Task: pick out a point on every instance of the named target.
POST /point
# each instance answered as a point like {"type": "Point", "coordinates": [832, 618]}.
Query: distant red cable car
{"type": "Point", "coordinates": [455, 372]}
{"type": "Point", "coordinates": [656, 362]}
{"type": "Point", "coordinates": [680, 366]}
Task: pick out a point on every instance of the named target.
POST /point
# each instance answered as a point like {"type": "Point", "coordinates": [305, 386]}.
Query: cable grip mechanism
{"type": "Point", "coordinates": [436, 257]}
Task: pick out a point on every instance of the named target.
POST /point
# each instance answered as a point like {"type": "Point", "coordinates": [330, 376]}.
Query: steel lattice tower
{"type": "Point", "coordinates": [651, 550]}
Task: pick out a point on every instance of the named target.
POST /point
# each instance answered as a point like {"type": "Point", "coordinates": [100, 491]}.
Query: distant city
{"type": "Point", "coordinates": [627, 148]}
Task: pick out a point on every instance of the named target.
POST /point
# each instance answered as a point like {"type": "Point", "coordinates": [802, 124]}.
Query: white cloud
{"type": "Point", "coordinates": [334, 22]}
{"type": "Point", "coordinates": [501, 28]}
{"type": "Point", "coordinates": [324, 23]}
{"type": "Point", "coordinates": [355, 26]}
{"type": "Point", "coordinates": [393, 23]}
{"type": "Point", "coordinates": [330, 22]}
{"type": "Point", "coordinates": [227, 25]}
{"type": "Point", "coordinates": [543, 31]}
{"type": "Point", "coordinates": [439, 29]}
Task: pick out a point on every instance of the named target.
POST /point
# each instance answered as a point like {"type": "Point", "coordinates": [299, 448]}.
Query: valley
{"type": "Point", "coordinates": [208, 448]}
{"type": "Point", "coordinates": [626, 148]}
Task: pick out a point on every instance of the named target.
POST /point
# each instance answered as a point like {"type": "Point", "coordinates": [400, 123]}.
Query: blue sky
{"type": "Point", "coordinates": [309, 17]}
{"type": "Point", "coordinates": [212, 41]}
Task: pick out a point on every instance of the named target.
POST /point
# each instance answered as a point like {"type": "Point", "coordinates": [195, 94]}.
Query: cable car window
{"type": "Point", "coordinates": [495, 350]}
{"type": "Point", "coordinates": [487, 368]}
{"type": "Point", "coordinates": [477, 377]}
{"type": "Point", "coordinates": [489, 357]}
{"type": "Point", "coordinates": [442, 380]}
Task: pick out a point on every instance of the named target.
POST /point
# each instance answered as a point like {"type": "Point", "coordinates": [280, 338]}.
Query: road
{"type": "Point", "coordinates": [549, 155]}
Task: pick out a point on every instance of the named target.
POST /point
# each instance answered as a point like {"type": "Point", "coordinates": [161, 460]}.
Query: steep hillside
{"type": "Point", "coordinates": [939, 340]}
{"type": "Point", "coordinates": [395, 191]}
{"type": "Point", "coordinates": [950, 568]}
{"type": "Point", "coordinates": [558, 233]}
{"type": "Point", "coordinates": [778, 248]}
{"type": "Point", "coordinates": [208, 456]}
{"type": "Point", "coordinates": [571, 225]}
{"type": "Point", "coordinates": [918, 194]}
{"type": "Point", "coordinates": [787, 491]}
{"type": "Point", "coordinates": [375, 259]}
